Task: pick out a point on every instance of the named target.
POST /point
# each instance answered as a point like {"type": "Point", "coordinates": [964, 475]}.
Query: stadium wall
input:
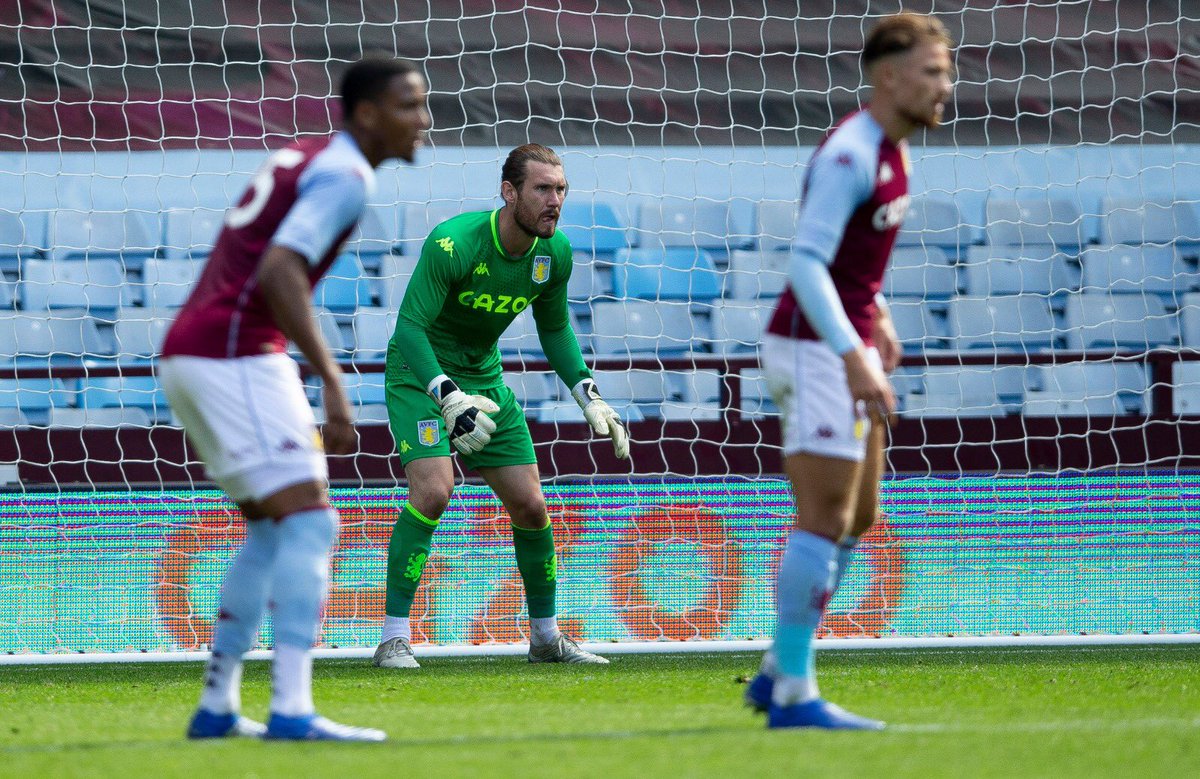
{"type": "Point", "coordinates": [680, 560]}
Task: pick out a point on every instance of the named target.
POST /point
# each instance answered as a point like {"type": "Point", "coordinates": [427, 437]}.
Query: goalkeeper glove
{"type": "Point", "coordinates": [601, 417]}
{"type": "Point", "coordinates": [466, 415]}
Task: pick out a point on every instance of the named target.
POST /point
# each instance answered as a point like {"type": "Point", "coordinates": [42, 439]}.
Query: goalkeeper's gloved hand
{"type": "Point", "coordinates": [601, 416]}
{"type": "Point", "coordinates": [467, 421]}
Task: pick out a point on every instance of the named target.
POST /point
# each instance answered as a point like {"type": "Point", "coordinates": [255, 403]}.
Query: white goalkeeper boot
{"type": "Point", "coordinates": [563, 650]}
{"type": "Point", "coordinates": [395, 653]}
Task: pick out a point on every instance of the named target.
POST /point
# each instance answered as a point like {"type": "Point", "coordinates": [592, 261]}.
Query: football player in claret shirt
{"type": "Point", "coordinates": [445, 388]}
{"type": "Point", "coordinates": [230, 381]}
{"type": "Point", "coordinates": [829, 344]}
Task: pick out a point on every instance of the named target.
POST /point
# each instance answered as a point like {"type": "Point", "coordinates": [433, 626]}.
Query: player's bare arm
{"type": "Point", "coordinates": [284, 284]}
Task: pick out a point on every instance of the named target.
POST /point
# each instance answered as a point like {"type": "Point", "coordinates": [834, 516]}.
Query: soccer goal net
{"type": "Point", "coordinates": [1042, 475]}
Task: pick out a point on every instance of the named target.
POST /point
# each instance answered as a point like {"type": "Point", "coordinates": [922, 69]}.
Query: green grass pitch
{"type": "Point", "coordinates": [1083, 712]}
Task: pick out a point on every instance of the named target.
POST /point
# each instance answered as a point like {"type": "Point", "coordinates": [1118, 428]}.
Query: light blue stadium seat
{"type": "Point", "coordinates": [394, 272]}
{"type": "Point", "coordinates": [917, 326]}
{"type": "Point", "coordinates": [974, 388]}
{"type": "Point", "coordinates": [191, 233]}
{"type": "Point", "coordinates": [1052, 403]}
{"type": "Point", "coordinates": [588, 282]}
{"type": "Point", "coordinates": [918, 271]}
{"type": "Point", "coordinates": [1038, 269]}
{"type": "Point", "coordinates": [756, 274]}
{"type": "Point", "coordinates": [699, 224]}
{"type": "Point", "coordinates": [11, 418]}
{"type": "Point", "coordinates": [1122, 321]}
{"type": "Point", "coordinates": [22, 237]}
{"type": "Point", "coordinates": [119, 416]}
{"type": "Point", "coordinates": [532, 388]}
{"type": "Point", "coordinates": [642, 328]}
{"type": "Point", "coordinates": [421, 218]}
{"type": "Point", "coordinates": [1022, 322]}
{"type": "Point", "coordinates": [677, 273]}
{"type": "Point", "coordinates": [756, 398]}
{"type": "Point", "coordinates": [138, 333]}
{"type": "Point", "coordinates": [142, 392]}
{"type": "Point", "coordinates": [1088, 381]}
{"type": "Point", "coordinates": [520, 339]}
{"type": "Point", "coordinates": [131, 236]}
{"type": "Point", "coordinates": [1189, 320]}
{"type": "Point", "coordinates": [34, 398]}
{"type": "Point", "coordinates": [738, 328]}
{"type": "Point", "coordinates": [364, 389]}
{"type": "Point", "coordinates": [167, 283]}
{"type": "Point", "coordinates": [646, 389]}
{"type": "Point", "coordinates": [65, 336]}
{"type": "Point", "coordinates": [372, 327]}
{"type": "Point", "coordinates": [344, 287]}
{"type": "Point", "coordinates": [933, 221]}
{"type": "Point", "coordinates": [327, 322]}
{"type": "Point", "coordinates": [557, 412]}
{"type": "Point", "coordinates": [775, 224]}
{"type": "Point", "coordinates": [1124, 268]}
{"type": "Point", "coordinates": [375, 236]}
{"type": "Point", "coordinates": [1136, 220]}
{"type": "Point", "coordinates": [592, 227]}
{"type": "Point", "coordinates": [1034, 220]}
{"type": "Point", "coordinates": [92, 283]}
{"type": "Point", "coordinates": [1185, 395]}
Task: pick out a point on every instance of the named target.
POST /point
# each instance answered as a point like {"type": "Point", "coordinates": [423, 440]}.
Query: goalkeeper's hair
{"type": "Point", "coordinates": [902, 32]}
{"type": "Point", "coordinates": [517, 165]}
{"type": "Point", "coordinates": [367, 79]}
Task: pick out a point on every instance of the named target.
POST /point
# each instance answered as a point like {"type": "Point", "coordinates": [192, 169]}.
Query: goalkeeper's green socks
{"type": "Point", "coordinates": [538, 566]}
{"type": "Point", "coordinates": [407, 552]}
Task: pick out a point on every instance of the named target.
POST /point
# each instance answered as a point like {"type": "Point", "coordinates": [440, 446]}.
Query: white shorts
{"type": "Point", "coordinates": [807, 381]}
{"type": "Point", "coordinates": [248, 420]}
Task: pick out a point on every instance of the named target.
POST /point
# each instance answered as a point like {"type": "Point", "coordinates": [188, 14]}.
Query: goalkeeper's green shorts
{"type": "Point", "coordinates": [419, 430]}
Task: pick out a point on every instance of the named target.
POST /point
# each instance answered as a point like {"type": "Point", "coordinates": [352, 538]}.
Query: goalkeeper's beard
{"type": "Point", "coordinates": [530, 229]}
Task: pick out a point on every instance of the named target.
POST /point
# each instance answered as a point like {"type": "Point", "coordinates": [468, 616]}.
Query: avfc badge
{"type": "Point", "coordinates": [428, 433]}
{"type": "Point", "coordinates": [541, 269]}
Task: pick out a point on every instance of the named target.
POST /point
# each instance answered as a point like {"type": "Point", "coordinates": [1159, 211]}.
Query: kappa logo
{"type": "Point", "coordinates": [428, 433]}
{"type": "Point", "coordinates": [447, 244]}
{"type": "Point", "coordinates": [482, 269]}
{"type": "Point", "coordinates": [885, 173]}
{"type": "Point", "coordinates": [405, 447]}
{"type": "Point", "coordinates": [541, 269]}
{"type": "Point", "coordinates": [825, 431]}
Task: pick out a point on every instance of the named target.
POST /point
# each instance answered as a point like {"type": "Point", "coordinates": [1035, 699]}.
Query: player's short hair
{"type": "Point", "coordinates": [367, 79]}
{"type": "Point", "coordinates": [517, 165]}
{"type": "Point", "coordinates": [902, 32]}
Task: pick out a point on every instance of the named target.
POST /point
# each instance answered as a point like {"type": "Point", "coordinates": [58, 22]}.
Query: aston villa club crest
{"type": "Point", "coordinates": [541, 269]}
{"type": "Point", "coordinates": [428, 433]}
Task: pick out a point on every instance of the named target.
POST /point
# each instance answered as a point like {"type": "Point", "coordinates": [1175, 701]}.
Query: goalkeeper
{"type": "Point", "coordinates": [477, 272]}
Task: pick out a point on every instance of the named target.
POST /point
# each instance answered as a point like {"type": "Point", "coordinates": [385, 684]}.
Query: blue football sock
{"type": "Point", "coordinates": [803, 589]}
{"type": "Point", "coordinates": [297, 596]}
{"type": "Point", "coordinates": [243, 602]}
{"type": "Point", "coordinates": [845, 550]}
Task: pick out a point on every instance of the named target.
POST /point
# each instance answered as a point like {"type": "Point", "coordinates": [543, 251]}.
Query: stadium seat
{"type": "Point", "coordinates": [22, 236]}
{"type": "Point", "coordinates": [377, 232]}
{"type": "Point", "coordinates": [142, 392]}
{"type": "Point", "coordinates": [394, 272]}
{"type": "Point", "coordinates": [567, 411]}
{"type": "Point", "coordinates": [421, 218]}
{"type": "Point", "coordinates": [756, 398]}
{"type": "Point", "coordinates": [917, 326]}
{"type": "Point", "coordinates": [190, 233]}
{"type": "Point", "coordinates": [1125, 381]}
{"type": "Point", "coordinates": [592, 227]}
{"type": "Point", "coordinates": [12, 417]}
{"type": "Point", "coordinates": [676, 273]}
{"type": "Point", "coordinates": [130, 236]}
{"type": "Point", "coordinates": [755, 274]}
{"type": "Point", "coordinates": [934, 405]}
{"type": "Point", "coordinates": [693, 223]}
{"type": "Point", "coordinates": [1136, 221]}
{"type": "Point", "coordinates": [587, 283]}
{"type": "Point", "coordinates": [81, 283]}
{"type": "Point", "coordinates": [138, 333]}
{"type": "Point", "coordinates": [646, 389]}
{"type": "Point", "coordinates": [1189, 320]}
{"type": "Point", "coordinates": [373, 328]}
{"type": "Point", "coordinates": [532, 388]}
{"type": "Point", "coordinates": [641, 328]}
{"type": "Point", "coordinates": [1128, 321]}
{"type": "Point", "coordinates": [974, 388]}
{"type": "Point", "coordinates": [344, 287]}
{"type": "Point", "coordinates": [933, 221]}
{"type": "Point", "coordinates": [364, 389]}
{"type": "Point", "coordinates": [67, 336]}
{"type": "Point", "coordinates": [167, 283]}
{"type": "Point", "coordinates": [33, 398]}
{"type": "Point", "coordinates": [775, 224]}
{"type": "Point", "coordinates": [1000, 322]}
{"type": "Point", "coordinates": [1042, 220]}
{"type": "Point", "coordinates": [917, 271]}
{"type": "Point", "coordinates": [327, 322]}
{"type": "Point", "coordinates": [1123, 268]}
{"type": "Point", "coordinates": [1185, 395]}
{"type": "Point", "coordinates": [1013, 270]}
{"type": "Point", "coordinates": [521, 338]}
{"type": "Point", "coordinates": [99, 417]}
{"type": "Point", "coordinates": [738, 328]}
{"type": "Point", "coordinates": [1051, 403]}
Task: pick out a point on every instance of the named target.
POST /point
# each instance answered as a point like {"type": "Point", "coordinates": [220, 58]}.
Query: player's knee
{"type": "Point", "coordinates": [431, 499]}
{"type": "Point", "coordinates": [529, 514]}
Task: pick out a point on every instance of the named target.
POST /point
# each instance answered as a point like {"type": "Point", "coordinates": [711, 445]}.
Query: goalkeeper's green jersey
{"type": "Point", "coordinates": [466, 290]}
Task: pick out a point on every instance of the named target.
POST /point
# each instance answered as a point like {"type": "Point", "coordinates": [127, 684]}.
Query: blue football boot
{"type": "Point", "coordinates": [818, 713]}
{"type": "Point", "coordinates": [312, 727]}
{"type": "Point", "coordinates": [205, 724]}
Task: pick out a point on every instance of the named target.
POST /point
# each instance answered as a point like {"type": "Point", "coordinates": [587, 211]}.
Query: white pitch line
{"type": "Point", "coordinates": [1053, 726]}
